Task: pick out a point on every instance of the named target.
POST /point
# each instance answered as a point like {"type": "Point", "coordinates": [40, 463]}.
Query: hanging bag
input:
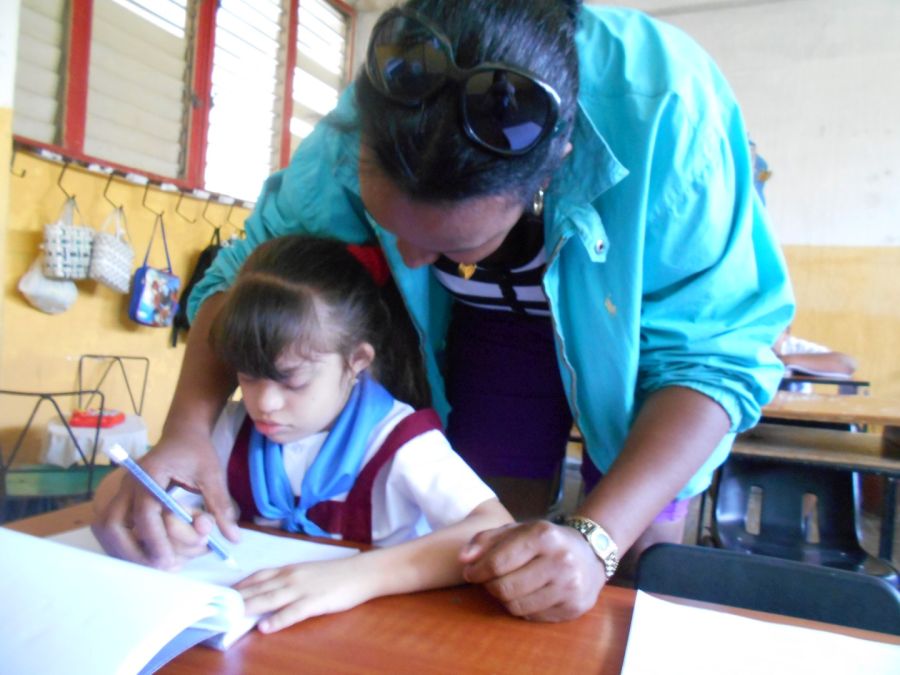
{"type": "Point", "coordinates": [67, 246]}
{"type": "Point", "coordinates": [112, 255]}
{"type": "Point", "coordinates": [52, 296]}
{"type": "Point", "coordinates": [154, 295]}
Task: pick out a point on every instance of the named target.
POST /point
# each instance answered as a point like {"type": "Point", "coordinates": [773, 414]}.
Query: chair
{"type": "Point", "coordinates": [773, 585]}
{"type": "Point", "coordinates": [805, 513]}
{"type": "Point", "coordinates": [27, 489]}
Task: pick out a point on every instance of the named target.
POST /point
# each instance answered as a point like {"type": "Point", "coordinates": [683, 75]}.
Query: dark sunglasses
{"type": "Point", "coordinates": [504, 109]}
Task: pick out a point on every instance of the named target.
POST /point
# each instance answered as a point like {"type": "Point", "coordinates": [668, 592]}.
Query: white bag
{"type": "Point", "coordinates": [48, 295]}
{"type": "Point", "coordinates": [112, 255]}
{"type": "Point", "coordinates": [67, 247]}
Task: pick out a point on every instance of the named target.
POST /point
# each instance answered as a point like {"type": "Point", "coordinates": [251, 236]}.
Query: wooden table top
{"type": "Point", "coordinates": [459, 629]}
{"type": "Point", "coordinates": [834, 408]}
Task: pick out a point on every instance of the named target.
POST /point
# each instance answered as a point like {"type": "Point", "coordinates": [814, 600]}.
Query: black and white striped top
{"type": "Point", "coordinates": [515, 290]}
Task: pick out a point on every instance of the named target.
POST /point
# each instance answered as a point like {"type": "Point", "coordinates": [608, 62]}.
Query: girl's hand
{"type": "Point", "coordinates": [296, 592]}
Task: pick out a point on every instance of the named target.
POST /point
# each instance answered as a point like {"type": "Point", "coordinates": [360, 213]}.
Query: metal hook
{"type": "Point", "coordinates": [177, 207]}
{"type": "Point", "coordinates": [158, 214]}
{"type": "Point", "coordinates": [59, 181]}
{"type": "Point", "coordinates": [203, 215]}
{"type": "Point", "coordinates": [228, 219]}
{"type": "Point", "coordinates": [12, 163]}
{"type": "Point", "coordinates": [106, 191]}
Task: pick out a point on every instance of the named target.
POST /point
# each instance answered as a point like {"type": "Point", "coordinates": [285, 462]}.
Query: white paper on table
{"type": "Point", "coordinates": [255, 551]}
{"type": "Point", "coordinates": [671, 638]}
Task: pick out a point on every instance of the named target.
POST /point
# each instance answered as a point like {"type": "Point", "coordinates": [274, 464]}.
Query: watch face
{"type": "Point", "coordinates": [600, 540]}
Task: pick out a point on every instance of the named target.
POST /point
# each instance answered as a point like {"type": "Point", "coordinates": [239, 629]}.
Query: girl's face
{"type": "Point", "coordinates": [465, 232]}
{"type": "Point", "coordinates": [309, 400]}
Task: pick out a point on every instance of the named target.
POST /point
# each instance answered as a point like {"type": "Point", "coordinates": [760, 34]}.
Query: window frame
{"type": "Point", "coordinates": [74, 92]}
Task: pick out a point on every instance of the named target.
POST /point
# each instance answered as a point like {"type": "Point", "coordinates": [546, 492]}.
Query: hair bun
{"type": "Point", "coordinates": [573, 7]}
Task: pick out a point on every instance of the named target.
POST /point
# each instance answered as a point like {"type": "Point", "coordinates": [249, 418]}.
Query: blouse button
{"type": "Point", "coordinates": [599, 246]}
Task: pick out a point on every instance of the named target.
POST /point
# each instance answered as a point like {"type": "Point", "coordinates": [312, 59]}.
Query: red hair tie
{"type": "Point", "coordinates": [372, 258]}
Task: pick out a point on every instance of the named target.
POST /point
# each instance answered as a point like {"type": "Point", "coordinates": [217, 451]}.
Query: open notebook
{"type": "Point", "coordinates": [66, 607]}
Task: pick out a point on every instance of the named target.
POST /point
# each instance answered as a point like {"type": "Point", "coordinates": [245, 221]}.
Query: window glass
{"type": "Point", "coordinates": [137, 94]}
{"type": "Point", "coordinates": [246, 98]}
{"type": "Point", "coordinates": [39, 68]}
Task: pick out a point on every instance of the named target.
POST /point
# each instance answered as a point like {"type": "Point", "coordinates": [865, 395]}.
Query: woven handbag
{"type": "Point", "coordinates": [67, 247]}
{"type": "Point", "coordinates": [112, 255]}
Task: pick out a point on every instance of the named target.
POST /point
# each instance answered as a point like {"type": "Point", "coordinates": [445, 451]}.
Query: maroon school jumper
{"type": "Point", "coordinates": [352, 518]}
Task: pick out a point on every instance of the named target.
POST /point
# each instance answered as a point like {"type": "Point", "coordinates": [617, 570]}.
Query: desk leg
{"type": "Point", "coordinates": [890, 447]}
{"type": "Point", "coordinates": [888, 509]}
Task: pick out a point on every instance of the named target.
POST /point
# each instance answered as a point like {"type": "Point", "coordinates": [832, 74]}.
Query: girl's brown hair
{"type": "Point", "coordinates": [308, 295]}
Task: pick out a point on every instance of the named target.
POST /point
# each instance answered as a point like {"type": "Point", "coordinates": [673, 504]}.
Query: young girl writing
{"type": "Point", "coordinates": [319, 445]}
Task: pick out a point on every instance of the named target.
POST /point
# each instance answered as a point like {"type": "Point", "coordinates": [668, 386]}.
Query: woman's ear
{"type": "Point", "coordinates": [361, 358]}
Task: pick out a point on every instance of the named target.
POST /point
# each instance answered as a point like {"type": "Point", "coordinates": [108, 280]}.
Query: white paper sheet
{"type": "Point", "coordinates": [71, 611]}
{"type": "Point", "coordinates": [669, 638]}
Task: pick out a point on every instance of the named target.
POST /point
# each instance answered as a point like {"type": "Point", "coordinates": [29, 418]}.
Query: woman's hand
{"type": "Point", "coordinates": [538, 570]}
{"type": "Point", "coordinates": [130, 523]}
{"type": "Point", "coordinates": [293, 593]}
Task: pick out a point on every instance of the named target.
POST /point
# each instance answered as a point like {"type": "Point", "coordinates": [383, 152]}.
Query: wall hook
{"type": "Point", "coordinates": [158, 214]}
{"type": "Point", "coordinates": [178, 207]}
{"type": "Point", "coordinates": [60, 179]}
{"type": "Point", "coordinates": [12, 163]}
{"type": "Point", "coordinates": [106, 191]}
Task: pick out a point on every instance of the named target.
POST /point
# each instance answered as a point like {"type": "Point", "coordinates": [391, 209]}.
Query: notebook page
{"type": "Point", "coordinates": [676, 639]}
{"type": "Point", "coordinates": [255, 551]}
{"type": "Point", "coordinates": [65, 610]}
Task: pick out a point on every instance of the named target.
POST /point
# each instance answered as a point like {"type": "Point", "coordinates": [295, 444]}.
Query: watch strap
{"type": "Point", "coordinates": [608, 555]}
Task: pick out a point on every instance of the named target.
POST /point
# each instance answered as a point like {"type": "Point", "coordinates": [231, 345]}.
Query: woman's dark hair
{"type": "Point", "coordinates": [308, 295]}
{"type": "Point", "coordinates": [423, 149]}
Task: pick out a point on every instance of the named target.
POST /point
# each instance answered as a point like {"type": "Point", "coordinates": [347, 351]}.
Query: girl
{"type": "Point", "coordinates": [318, 445]}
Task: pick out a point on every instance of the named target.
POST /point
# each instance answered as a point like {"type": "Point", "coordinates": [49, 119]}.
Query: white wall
{"type": "Point", "coordinates": [819, 81]}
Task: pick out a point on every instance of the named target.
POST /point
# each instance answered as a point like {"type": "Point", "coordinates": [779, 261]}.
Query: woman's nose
{"type": "Point", "coordinates": [413, 256]}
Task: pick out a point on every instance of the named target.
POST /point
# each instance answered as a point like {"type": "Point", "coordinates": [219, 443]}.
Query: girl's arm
{"type": "Point", "coordinates": [297, 592]}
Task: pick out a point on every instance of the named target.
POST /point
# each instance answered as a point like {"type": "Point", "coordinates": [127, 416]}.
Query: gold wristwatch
{"type": "Point", "coordinates": [599, 540]}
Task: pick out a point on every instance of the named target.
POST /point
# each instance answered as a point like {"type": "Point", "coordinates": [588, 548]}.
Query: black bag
{"type": "Point", "coordinates": [207, 256]}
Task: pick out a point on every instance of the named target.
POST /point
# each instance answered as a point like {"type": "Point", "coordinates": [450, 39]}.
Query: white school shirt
{"type": "Point", "coordinates": [426, 486]}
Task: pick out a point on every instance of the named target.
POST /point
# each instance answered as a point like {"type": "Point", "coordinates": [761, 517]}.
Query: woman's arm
{"type": "Point", "coordinates": [297, 592]}
{"type": "Point", "coordinates": [548, 572]}
{"type": "Point", "coordinates": [130, 524]}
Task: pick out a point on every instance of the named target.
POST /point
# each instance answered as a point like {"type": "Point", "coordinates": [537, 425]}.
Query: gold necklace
{"type": "Point", "coordinates": [466, 270]}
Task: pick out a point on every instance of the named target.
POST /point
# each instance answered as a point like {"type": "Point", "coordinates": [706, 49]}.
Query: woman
{"type": "Point", "coordinates": [579, 181]}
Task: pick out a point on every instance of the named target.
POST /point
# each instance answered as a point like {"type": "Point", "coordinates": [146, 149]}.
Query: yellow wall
{"type": "Point", "coordinates": [848, 298]}
{"type": "Point", "coordinates": [40, 351]}
{"type": "Point", "coordinates": [5, 177]}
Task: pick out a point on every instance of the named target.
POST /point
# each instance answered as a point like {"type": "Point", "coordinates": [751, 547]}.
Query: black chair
{"type": "Point", "coordinates": [773, 585]}
{"type": "Point", "coordinates": [805, 513]}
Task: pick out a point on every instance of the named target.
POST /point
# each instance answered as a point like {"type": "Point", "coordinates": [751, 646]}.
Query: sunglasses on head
{"type": "Point", "coordinates": [504, 109]}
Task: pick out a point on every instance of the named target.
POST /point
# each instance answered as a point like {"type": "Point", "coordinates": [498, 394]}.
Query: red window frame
{"type": "Point", "coordinates": [75, 92]}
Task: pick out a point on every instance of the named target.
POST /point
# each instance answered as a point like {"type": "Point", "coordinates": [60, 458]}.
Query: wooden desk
{"type": "Point", "coordinates": [453, 630]}
{"type": "Point", "coordinates": [865, 410]}
{"type": "Point", "coordinates": [834, 408]}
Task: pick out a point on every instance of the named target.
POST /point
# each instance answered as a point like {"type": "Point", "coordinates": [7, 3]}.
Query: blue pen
{"type": "Point", "coordinates": [117, 454]}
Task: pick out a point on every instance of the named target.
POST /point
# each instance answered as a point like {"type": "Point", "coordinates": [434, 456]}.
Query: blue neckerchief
{"type": "Point", "coordinates": [333, 471]}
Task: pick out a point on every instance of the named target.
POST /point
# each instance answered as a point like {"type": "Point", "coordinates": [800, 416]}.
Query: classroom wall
{"type": "Point", "coordinates": [817, 82]}
{"type": "Point", "coordinates": [39, 351]}
{"type": "Point", "coordinates": [9, 19]}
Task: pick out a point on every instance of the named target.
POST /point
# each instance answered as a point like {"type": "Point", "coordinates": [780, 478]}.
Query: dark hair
{"type": "Point", "coordinates": [310, 295]}
{"type": "Point", "coordinates": [424, 150]}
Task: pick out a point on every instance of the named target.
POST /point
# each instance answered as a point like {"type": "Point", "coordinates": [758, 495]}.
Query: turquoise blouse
{"type": "Point", "coordinates": [663, 268]}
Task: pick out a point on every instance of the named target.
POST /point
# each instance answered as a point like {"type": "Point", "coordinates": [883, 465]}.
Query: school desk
{"type": "Point", "coordinates": [862, 410]}
{"type": "Point", "coordinates": [459, 629]}
{"type": "Point", "coordinates": [456, 630]}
